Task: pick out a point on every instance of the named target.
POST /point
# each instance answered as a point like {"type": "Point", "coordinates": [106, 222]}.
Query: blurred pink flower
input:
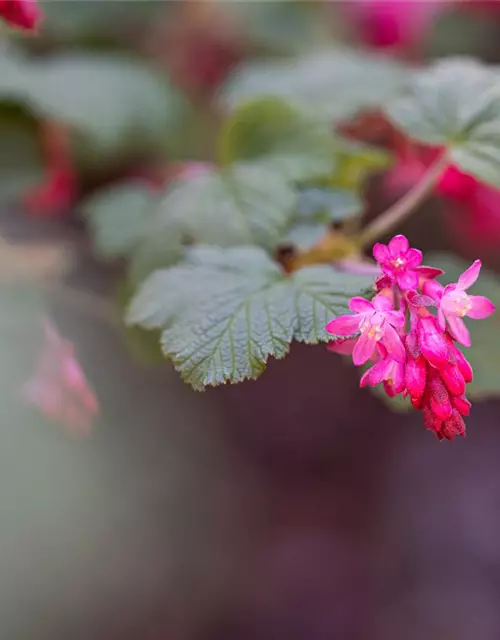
{"type": "Point", "coordinates": [399, 261]}
{"type": "Point", "coordinates": [24, 14]}
{"type": "Point", "coordinates": [391, 23]}
{"type": "Point", "coordinates": [58, 386]}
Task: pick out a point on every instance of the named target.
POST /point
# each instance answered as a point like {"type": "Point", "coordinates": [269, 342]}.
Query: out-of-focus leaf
{"type": "Point", "coordinates": [456, 103]}
{"type": "Point", "coordinates": [270, 130]}
{"type": "Point", "coordinates": [279, 27]}
{"type": "Point", "coordinates": [317, 208]}
{"type": "Point", "coordinates": [225, 311]}
{"type": "Point", "coordinates": [355, 162]}
{"type": "Point", "coordinates": [243, 204]}
{"type": "Point", "coordinates": [332, 84]}
{"type": "Point", "coordinates": [86, 20]}
{"type": "Point", "coordinates": [123, 221]}
{"type": "Point", "coordinates": [144, 345]}
{"type": "Point", "coordinates": [119, 217]}
{"type": "Point", "coordinates": [21, 163]}
{"type": "Point", "coordinates": [115, 106]}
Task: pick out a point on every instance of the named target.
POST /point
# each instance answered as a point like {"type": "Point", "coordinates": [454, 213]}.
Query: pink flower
{"type": "Point", "coordinates": [387, 370]}
{"type": "Point", "coordinates": [399, 262]}
{"type": "Point", "coordinates": [59, 387]}
{"type": "Point", "coordinates": [376, 322]}
{"type": "Point", "coordinates": [391, 23]}
{"type": "Point", "coordinates": [24, 14]}
{"type": "Point", "coordinates": [455, 303]}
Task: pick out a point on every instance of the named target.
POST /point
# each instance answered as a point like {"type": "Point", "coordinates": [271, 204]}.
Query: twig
{"type": "Point", "coordinates": [406, 205]}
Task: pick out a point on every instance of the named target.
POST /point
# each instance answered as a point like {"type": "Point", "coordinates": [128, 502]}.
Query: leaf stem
{"type": "Point", "coordinates": [406, 205]}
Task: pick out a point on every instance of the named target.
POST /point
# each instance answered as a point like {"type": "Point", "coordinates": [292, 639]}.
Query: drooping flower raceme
{"type": "Point", "coordinates": [414, 351]}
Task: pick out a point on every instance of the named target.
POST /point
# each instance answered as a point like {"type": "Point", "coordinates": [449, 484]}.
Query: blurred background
{"type": "Point", "coordinates": [297, 507]}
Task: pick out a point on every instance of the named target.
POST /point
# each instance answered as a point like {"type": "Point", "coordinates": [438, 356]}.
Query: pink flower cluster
{"type": "Point", "coordinates": [414, 351]}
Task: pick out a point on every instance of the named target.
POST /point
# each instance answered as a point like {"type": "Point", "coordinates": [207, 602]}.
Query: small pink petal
{"type": "Point", "coordinates": [396, 319]}
{"type": "Point", "coordinates": [441, 319]}
{"type": "Point", "coordinates": [382, 303]}
{"type": "Point", "coordinates": [345, 325]}
{"type": "Point", "coordinates": [342, 346]}
{"type": "Point", "coordinates": [392, 342]}
{"type": "Point", "coordinates": [363, 349]}
{"type": "Point", "coordinates": [380, 371]}
{"type": "Point", "coordinates": [398, 245]}
{"type": "Point", "coordinates": [381, 253]}
{"type": "Point", "coordinates": [413, 258]}
{"type": "Point", "coordinates": [459, 330]}
{"type": "Point", "coordinates": [470, 275]}
{"type": "Point", "coordinates": [418, 300]}
{"type": "Point", "coordinates": [429, 272]}
{"type": "Point", "coordinates": [360, 305]}
{"type": "Point", "coordinates": [433, 289]}
{"type": "Point", "coordinates": [482, 307]}
{"type": "Point", "coordinates": [407, 280]}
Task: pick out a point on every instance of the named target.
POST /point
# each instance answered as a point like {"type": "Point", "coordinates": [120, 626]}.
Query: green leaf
{"type": "Point", "coordinates": [243, 204]}
{"type": "Point", "coordinates": [225, 311]}
{"type": "Point", "coordinates": [355, 162]}
{"type": "Point", "coordinates": [115, 106]}
{"type": "Point", "coordinates": [484, 354]}
{"type": "Point", "coordinates": [269, 130]}
{"type": "Point", "coordinates": [456, 103]}
{"type": "Point", "coordinates": [118, 217]}
{"type": "Point", "coordinates": [317, 208]}
{"type": "Point", "coordinates": [123, 222]}
{"type": "Point", "coordinates": [280, 27]}
{"type": "Point", "coordinates": [331, 84]}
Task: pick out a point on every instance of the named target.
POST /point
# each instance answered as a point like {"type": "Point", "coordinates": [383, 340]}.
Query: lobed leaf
{"type": "Point", "coordinates": [226, 311]}
{"type": "Point", "coordinates": [456, 103]}
{"type": "Point", "coordinates": [246, 203]}
{"type": "Point", "coordinates": [270, 130]}
{"type": "Point", "coordinates": [332, 84]}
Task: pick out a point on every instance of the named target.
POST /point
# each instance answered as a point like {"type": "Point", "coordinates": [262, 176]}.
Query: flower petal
{"type": "Point", "coordinates": [398, 245]}
{"type": "Point", "coordinates": [380, 371]}
{"type": "Point", "coordinates": [344, 325]}
{"type": "Point", "coordinates": [396, 319]}
{"type": "Point", "coordinates": [392, 342]}
{"type": "Point", "coordinates": [429, 272]}
{"type": "Point", "coordinates": [459, 330]}
{"type": "Point", "coordinates": [342, 346]}
{"type": "Point", "coordinates": [470, 275]}
{"type": "Point", "coordinates": [363, 349]}
{"type": "Point", "coordinates": [413, 258]}
{"type": "Point", "coordinates": [482, 307]}
{"type": "Point", "coordinates": [360, 305]}
{"type": "Point", "coordinates": [381, 253]}
{"type": "Point", "coordinates": [441, 319]}
{"type": "Point", "coordinates": [407, 280]}
{"type": "Point", "coordinates": [383, 303]}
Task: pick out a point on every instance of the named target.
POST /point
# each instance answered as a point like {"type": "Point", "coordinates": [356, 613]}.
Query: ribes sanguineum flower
{"type": "Point", "coordinates": [375, 321]}
{"type": "Point", "coordinates": [413, 348]}
{"type": "Point", "coordinates": [454, 303]}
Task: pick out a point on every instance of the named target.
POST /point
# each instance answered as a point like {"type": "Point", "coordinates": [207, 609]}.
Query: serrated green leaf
{"type": "Point", "coordinates": [484, 354]}
{"type": "Point", "coordinates": [456, 103]}
{"type": "Point", "coordinates": [244, 204]}
{"type": "Point", "coordinates": [225, 311]}
{"type": "Point", "coordinates": [333, 84]}
{"type": "Point", "coordinates": [270, 130]}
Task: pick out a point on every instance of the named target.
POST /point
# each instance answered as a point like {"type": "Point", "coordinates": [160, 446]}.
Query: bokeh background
{"type": "Point", "coordinates": [294, 507]}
